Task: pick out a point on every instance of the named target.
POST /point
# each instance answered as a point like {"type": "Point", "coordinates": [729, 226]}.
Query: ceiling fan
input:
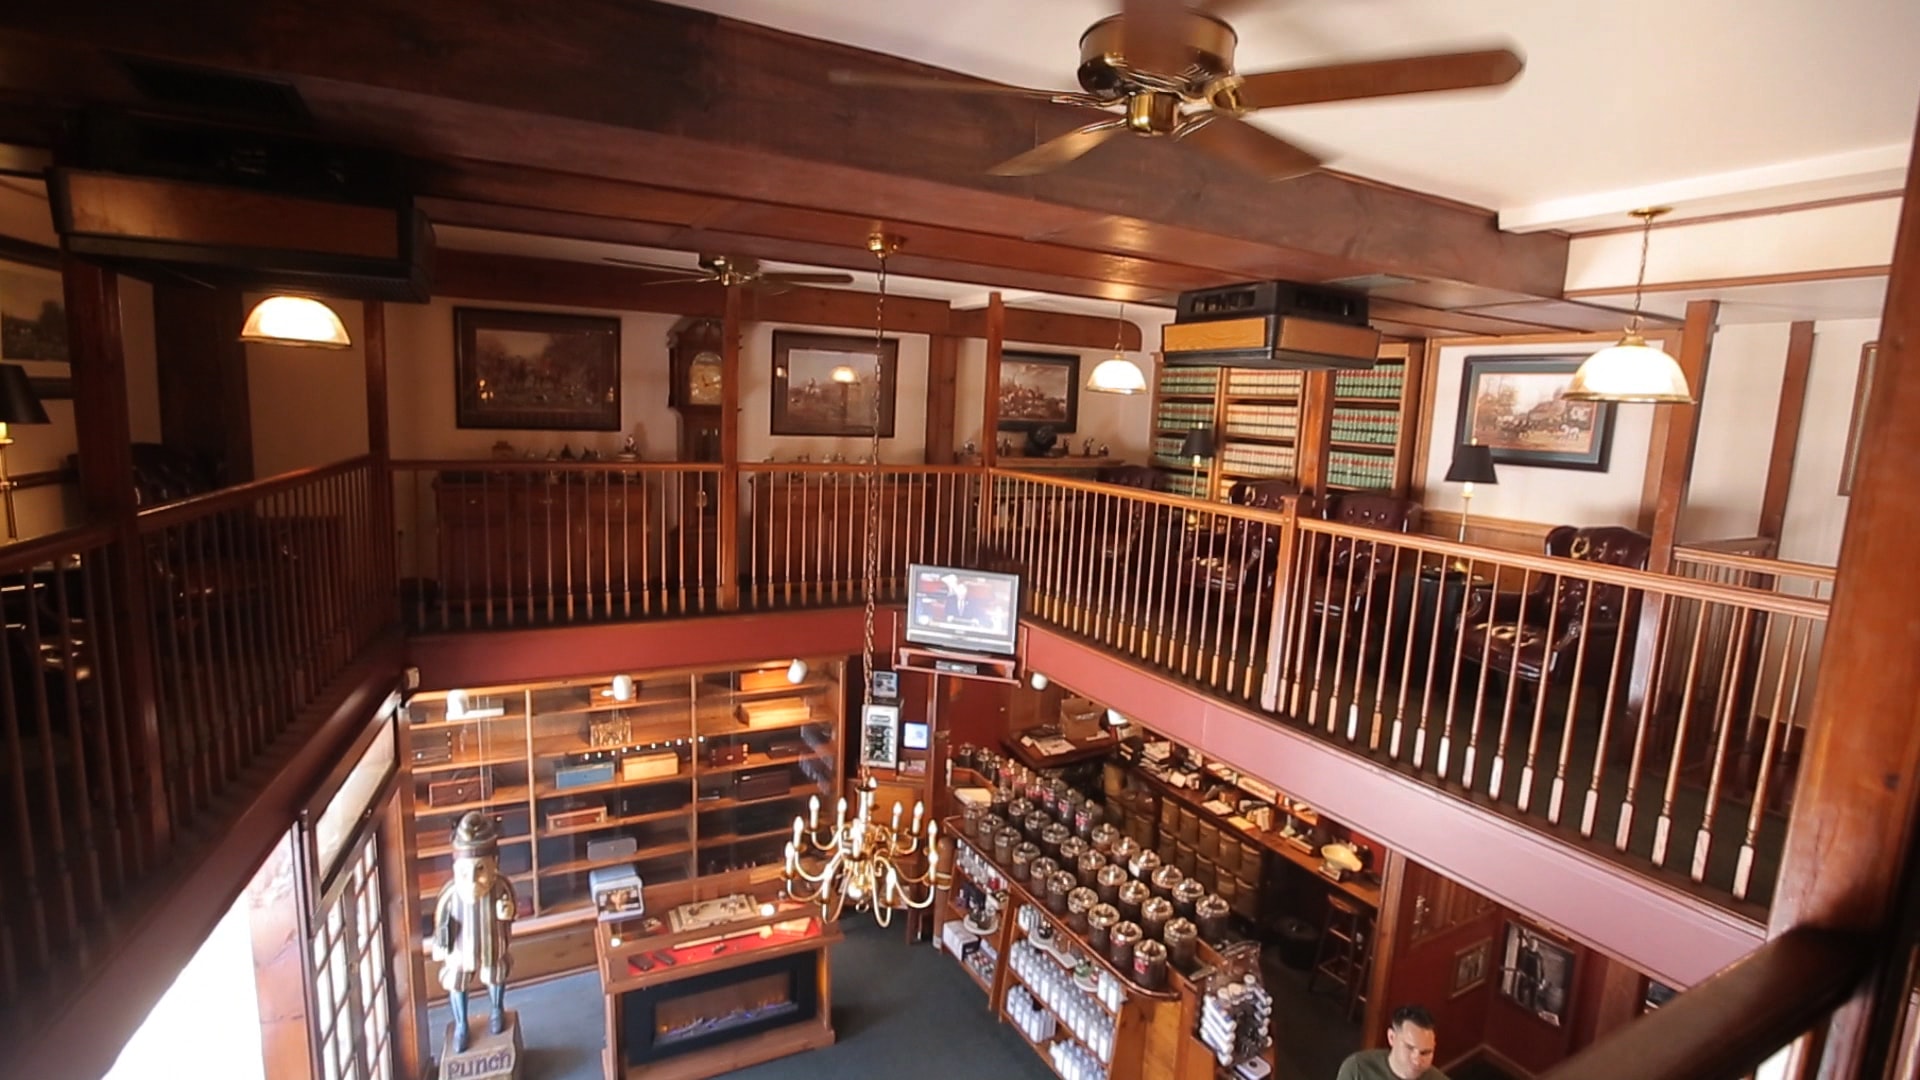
{"type": "Point", "coordinates": [1167, 67]}
{"type": "Point", "coordinates": [730, 270]}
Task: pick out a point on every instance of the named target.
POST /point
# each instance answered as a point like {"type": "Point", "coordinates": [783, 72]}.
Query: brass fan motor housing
{"type": "Point", "coordinates": [1104, 72]}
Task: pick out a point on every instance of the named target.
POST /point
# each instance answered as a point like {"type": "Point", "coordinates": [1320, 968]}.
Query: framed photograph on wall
{"type": "Point", "coordinates": [1536, 973]}
{"type": "Point", "coordinates": [1039, 388]}
{"type": "Point", "coordinates": [1862, 393]}
{"type": "Point", "coordinates": [535, 370]}
{"type": "Point", "coordinates": [823, 384]}
{"type": "Point", "coordinates": [1515, 405]}
{"type": "Point", "coordinates": [33, 313]}
{"type": "Point", "coordinates": [880, 736]}
{"type": "Point", "coordinates": [1470, 966]}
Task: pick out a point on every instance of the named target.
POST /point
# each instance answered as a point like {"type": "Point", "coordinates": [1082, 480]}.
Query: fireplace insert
{"type": "Point", "coordinates": [707, 1010]}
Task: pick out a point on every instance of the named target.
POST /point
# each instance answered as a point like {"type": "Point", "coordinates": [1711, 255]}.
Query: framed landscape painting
{"type": "Point", "coordinates": [535, 370]}
{"type": "Point", "coordinates": [1039, 388]}
{"type": "Point", "coordinates": [823, 384]}
{"type": "Point", "coordinates": [33, 314]}
{"type": "Point", "coordinates": [1515, 405]}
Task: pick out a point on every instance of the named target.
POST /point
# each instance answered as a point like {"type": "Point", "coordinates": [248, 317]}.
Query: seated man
{"type": "Point", "coordinates": [1408, 1055]}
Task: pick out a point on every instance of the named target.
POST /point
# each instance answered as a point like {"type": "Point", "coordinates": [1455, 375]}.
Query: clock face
{"type": "Point", "coordinates": [703, 379]}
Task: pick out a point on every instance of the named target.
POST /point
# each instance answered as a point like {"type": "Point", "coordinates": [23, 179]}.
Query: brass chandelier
{"type": "Point", "coordinates": [862, 861]}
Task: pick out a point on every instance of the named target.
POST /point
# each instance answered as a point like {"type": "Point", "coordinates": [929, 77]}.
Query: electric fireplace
{"type": "Point", "coordinates": [706, 1010]}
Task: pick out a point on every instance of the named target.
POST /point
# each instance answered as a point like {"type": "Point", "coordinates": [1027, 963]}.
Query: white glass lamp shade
{"type": "Point", "coordinates": [295, 320]}
{"type": "Point", "coordinates": [1632, 371]}
{"type": "Point", "coordinates": [1117, 375]}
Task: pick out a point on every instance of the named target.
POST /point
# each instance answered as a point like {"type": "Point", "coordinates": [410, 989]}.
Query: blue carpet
{"type": "Point", "coordinates": [898, 1012]}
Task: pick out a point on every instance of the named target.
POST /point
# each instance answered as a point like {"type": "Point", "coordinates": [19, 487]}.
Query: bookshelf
{"type": "Point", "coordinates": [1368, 447]}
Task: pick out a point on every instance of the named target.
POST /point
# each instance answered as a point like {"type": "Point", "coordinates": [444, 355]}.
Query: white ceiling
{"type": "Point", "coordinates": [1707, 105]}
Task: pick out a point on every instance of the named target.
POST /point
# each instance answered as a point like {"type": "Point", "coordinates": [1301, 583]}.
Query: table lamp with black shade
{"type": "Point", "coordinates": [1197, 447]}
{"type": "Point", "coordinates": [1472, 464]}
{"type": "Point", "coordinates": [18, 405]}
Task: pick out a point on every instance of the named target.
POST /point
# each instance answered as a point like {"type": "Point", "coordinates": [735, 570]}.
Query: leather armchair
{"type": "Point", "coordinates": [1127, 531]}
{"type": "Point", "coordinates": [1344, 570]}
{"type": "Point", "coordinates": [1240, 558]}
{"type": "Point", "coordinates": [1514, 635]}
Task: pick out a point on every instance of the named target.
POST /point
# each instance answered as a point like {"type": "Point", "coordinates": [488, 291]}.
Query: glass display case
{"type": "Point", "coordinates": [660, 777]}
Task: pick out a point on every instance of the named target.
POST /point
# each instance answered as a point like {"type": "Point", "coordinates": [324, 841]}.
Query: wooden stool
{"type": "Point", "coordinates": [1343, 953]}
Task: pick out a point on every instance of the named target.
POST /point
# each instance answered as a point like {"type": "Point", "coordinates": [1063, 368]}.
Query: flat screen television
{"type": "Point", "coordinates": [964, 610]}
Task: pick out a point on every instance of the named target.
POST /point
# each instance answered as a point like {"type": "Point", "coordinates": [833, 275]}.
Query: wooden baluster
{"type": "Point", "coordinates": [1527, 771]}
{"type": "Point", "coordinates": [1623, 829]}
{"type": "Point", "coordinates": [1615, 674]}
{"type": "Point", "coordinates": [89, 747]}
{"type": "Point", "coordinates": [243, 538]}
{"type": "Point", "coordinates": [1779, 724]}
{"type": "Point", "coordinates": [226, 674]}
{"type": "Point", "coordinates": [1676, 757]}
{"type": "Point", "coordinates": [1341, 645]}
{"type": "Point", "coordinates": [1495, 787]}
{"type": "Point", "coordinates": [1444, 752]}
{"type": "Point", "coordinates": [1376, 582]}
{"type": "Point", "coordinates": [53, 828]}
{"type": "Point", "coordinates": [29, 894]}
{"type": "Point", "coordinates": [96, 596]}
{"type": "Point", "coordinates": [1703, 840]}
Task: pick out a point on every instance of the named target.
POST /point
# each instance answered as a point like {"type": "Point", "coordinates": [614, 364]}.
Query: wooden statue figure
{"type": "Point", "coordinates": [472, 924]}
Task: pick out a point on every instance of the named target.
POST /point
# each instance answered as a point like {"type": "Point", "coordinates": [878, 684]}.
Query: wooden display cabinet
{"type": "Point", "coordinates": [702, 771]}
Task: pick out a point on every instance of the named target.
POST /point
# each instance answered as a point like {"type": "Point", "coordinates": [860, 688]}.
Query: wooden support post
{"type": "Point", "coordinates": [1316, 432]}
{"type": "Point", "coordinates": [943, 370]}
{"type": "Point", "coordinates": [1383, 951]}
{"type": "Point", "coordinates": [1786, 431]}
{"type": "Point", "coordinates": [1276, 687]}
{"type": "Point", "coordinates": [727, 560]}
{"type": "Point", "coordinates": [373, 346]}
{"type": "Point", "coordinates": [1414, 421]}
{"type": "Point", "coordinates": [202, 369]}
{"type": "Point", "coordinates": [100, 417]}
{"type": "Point", "coordinates": [1676, 428]}
{"type": "Point", "coordinates": [1850, 842]}
{"type": "Point", "coordinates": [990, 409]}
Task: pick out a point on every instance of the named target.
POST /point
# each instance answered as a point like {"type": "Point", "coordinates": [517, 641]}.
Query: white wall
{"type": "Point", "coordinates": [1738, 407]}
{"type": "Point", "coordinates": [1553, 496]}
{"type": "Point", "coordinates": [1816, 511]}
{"type": "Point", "coordinates": [1119, 420]}
{"type": "Point", "coordinates": [307, 406]}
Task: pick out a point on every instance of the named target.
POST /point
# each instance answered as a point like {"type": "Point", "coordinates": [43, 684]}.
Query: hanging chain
{"type": "Point", "coordinates": [870, 560]}
{"type": "Point", "coordinates": [1640, 282]}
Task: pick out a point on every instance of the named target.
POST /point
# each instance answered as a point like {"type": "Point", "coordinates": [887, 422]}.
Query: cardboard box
{"type": "Point", "coordinates": [649, 766]}
{"type": "Point", "coordinates": [1080, 719]}
{"type": "Point", "coordinates": [458, 790]}
{"type": "Point", "coordinates": [616, 889]}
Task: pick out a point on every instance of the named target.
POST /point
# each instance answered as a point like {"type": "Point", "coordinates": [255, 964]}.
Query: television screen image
{"type": "Point", "coordinates": [966, 610]}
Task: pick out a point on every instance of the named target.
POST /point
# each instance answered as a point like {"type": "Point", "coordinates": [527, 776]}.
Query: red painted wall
{"type": "Point", "coordinates": [1423, 975]}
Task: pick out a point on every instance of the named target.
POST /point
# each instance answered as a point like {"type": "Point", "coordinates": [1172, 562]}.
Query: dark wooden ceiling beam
{"type": "Point", "coordinates": [468, 275]}
{"type": "Point", "coordinates": [695, 102]}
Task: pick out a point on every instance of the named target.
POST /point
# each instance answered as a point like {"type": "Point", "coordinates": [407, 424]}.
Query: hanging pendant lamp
{"type": "Point", "coordinates": [1632, 370]}
{"type": "Point", "coordinates": [295, 320]}
{"type": "Point", "coordinates": [1117, 374]}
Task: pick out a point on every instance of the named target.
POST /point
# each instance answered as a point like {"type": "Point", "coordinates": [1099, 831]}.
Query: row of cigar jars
{"type": "Point", "coordinates": [1140, 914]}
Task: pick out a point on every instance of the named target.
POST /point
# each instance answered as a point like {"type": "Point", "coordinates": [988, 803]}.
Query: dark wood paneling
{"type": "Point", "coordinates": [1051, 328]}
{"type": "Point", "coordinates": [1438, 919]}
{"type": "Point", "coordinates": [1853, 823]}
{"type": "Point", "coordinates": [943, 371]}
{"type": "Point", "coordinates": [1786, 430]}
{"type": "Point", "coordinates": [996, 328]}
{"type": "Point", "coordinates": [204, 406]}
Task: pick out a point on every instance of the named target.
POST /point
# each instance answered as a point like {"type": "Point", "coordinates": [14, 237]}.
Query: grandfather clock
{"type": "Point", "coordinates": [693, 391]}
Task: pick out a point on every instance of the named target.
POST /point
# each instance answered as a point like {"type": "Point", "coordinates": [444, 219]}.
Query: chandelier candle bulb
{"type": "Point", "coordinates": [813, 815]}
{"type": "Point", "coordinates": [918, 811]}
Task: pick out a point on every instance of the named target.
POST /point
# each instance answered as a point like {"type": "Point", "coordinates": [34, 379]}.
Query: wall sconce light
{"type": "Point", "coordinates": [797, 672]}
{"type": "Point", "coordinates": [1038, 681]}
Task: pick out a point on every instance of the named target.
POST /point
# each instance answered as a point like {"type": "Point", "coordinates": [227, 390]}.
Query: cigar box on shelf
{"type": "Point", "coordinates": [584, 775]}
{"type": "Point", "coordinates": [775, 712]}
{"type": "Point", "coordinates": [761, 783]}
{"type": "Point", "coordinates": [464, 789]}
{"type": "Point", "coordinates": [616, 889]}
{"type": "Point", "coordinates": [573, 819]}
{"type": "Point", "coordinates": [726, 753]}
{"type": "Point", "coordinates": [649, 766]}
{"type": "Point", "coordinates": [765, 679]}
{"type": "Point", "coordinates": [433, 749]}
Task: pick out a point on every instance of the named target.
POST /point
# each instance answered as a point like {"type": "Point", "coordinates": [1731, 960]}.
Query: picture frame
{"type": "Point", "coordinates": [1470, 966]}
{"type": "Point", "coordinates": [1039, 389]}
{"type": "Point", "coordinates": [535, 370]}
{"type": "Point", "coordinates": [1536, 974]}
{"type": "Point", "coordinates": [822, 384]}
{"type": "Point", "coordinates": [880, 735]}
{"type": "Point", "coordinates": [1513, 404]}
{"type": "Point", "coordinates": [1862, 394]}
{"type": "Point", "coordinates": [33, 314]}
{"type": "Point", "coordinates": [885, 684]}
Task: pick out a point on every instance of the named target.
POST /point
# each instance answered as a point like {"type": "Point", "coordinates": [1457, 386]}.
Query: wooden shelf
{"type": "Point", "coordinates": [647, 854]}
{"type": "Point", "coordinates": [747, 838]}
{"type": "Point", "coordinates": [756, 761]}
{"type": "Point", "coordinates": [434, 851]}
{"type": "Point", "coordinates": [736, 728]}
{"type": "Point", "coordinates": [729, 803]}
{"type": "Point", "coordinates": [1264, 440]}
{"type": "Point", "coordinates": [612, 785]}
{"type": "Point", "coordinates": [1366, 448]}
{"type": "Point", "coordinates": [515, 793]}
{"type": "Point", "coordinates": [431, 882]}
{"type": "Point", "coordinates": [614, 823]}
{"type": "Point", "coordinates": [519, 757]}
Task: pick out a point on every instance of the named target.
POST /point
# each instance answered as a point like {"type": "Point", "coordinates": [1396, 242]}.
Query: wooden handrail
{"type": "Point", "coordinates": [25, 554]}
{"type": "Point", "coordinates": [854, 469]}
{"type": "Point", "coordinates": [1754, 563]}
{"type": "Point", "coordinates": [541, 465]}
{"type": "Point", "coordinates": [1725, 1027]}
{"type": "Point", "coordinates": [194, 507]}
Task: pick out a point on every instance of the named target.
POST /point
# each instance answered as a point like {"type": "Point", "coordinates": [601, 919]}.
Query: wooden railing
{"type": "Point", "coordinates": [77, 773]}
{"type": "Point", "coordinates": [1506, 675]}
{"type": "Point", "coordinates": [258, 596]}
{"type": "Point", "coordinates": [1771, 1006]}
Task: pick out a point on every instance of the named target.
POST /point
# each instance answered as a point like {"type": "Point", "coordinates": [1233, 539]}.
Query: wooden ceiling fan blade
{"type": "Point", "coordinates": [1237, 142]}
{"type": "Point", "coordinates": [679, 271]}
{"type": "Point", "coordinates": [1059, 150]}
{"type": "Point", "coordinates": [846, 77]}
{"type": "Point", "coordinates": [808, 279]}
{"type": "Point", "coordinates": [1370, 79]}
{"type": "Point", "coordinates": [1151, 36]}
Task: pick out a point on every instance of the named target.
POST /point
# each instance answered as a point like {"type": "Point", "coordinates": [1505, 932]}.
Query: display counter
{"type": "Point", "coordinates": [743, 979]}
